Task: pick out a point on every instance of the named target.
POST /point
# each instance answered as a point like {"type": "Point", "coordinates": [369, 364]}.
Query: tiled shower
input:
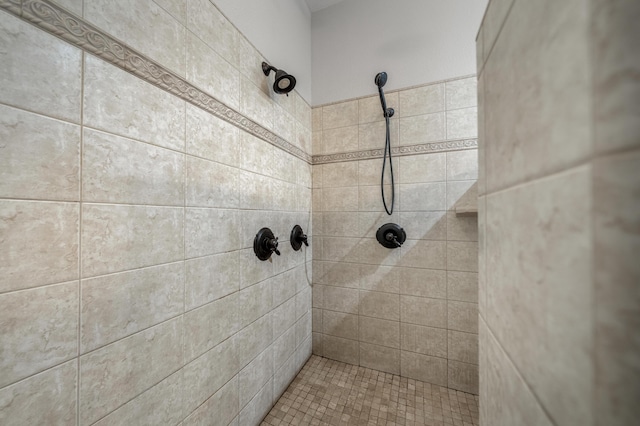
{"type": "Point", "coordinates": [142, 148]}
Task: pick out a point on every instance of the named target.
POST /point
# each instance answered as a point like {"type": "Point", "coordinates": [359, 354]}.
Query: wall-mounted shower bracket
{"type": "Point", "coordinates": [391, 235]}
{"type": "Point", "coordinates": [265, 243]}
{"type": "Point", "coordinates": [298, 237]}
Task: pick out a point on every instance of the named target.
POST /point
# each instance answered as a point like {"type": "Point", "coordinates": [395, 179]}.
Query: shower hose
{"type": "Point", "coordinates": [387, 152]}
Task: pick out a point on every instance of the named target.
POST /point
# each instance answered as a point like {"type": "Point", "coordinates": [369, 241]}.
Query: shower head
{"type": "Point", "coordinates": [381, 79]}
{"type": "Point", "coordinates": [284, 83]}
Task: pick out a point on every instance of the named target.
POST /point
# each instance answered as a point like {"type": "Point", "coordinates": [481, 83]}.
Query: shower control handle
{"type": "Point", "coordinates": [392, 238]}
{"type": "Point", "coordinates": [265, 244]}
{"type": "Point", "coordinates": [272, 244]}
{"type": "Point", "coordinates": [297, 238]}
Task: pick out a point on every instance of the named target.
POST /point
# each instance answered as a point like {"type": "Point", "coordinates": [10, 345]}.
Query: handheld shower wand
{"type": "Point", "coordinates": [381, 80]}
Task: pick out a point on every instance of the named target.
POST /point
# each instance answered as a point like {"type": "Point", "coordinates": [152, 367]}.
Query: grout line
{"type": "Point", "coordinates": [80, 229]}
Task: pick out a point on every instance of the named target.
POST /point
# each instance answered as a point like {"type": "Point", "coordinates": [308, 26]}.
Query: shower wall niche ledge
{"type": "Point", "coordinates": [467, 205]}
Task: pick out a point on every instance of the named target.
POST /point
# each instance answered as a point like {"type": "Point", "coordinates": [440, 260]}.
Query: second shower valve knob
{"type": "Point", "coordinates": [265, 243]}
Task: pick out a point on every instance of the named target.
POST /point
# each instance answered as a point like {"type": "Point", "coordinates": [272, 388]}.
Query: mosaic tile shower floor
{"type": "Point", "coordinates": [328, 392]}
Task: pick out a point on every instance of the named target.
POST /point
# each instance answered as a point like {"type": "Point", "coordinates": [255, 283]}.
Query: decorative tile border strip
{"type": "Point", "coordinates": [426, 148]}
{"type": "Point", "coordinates": [57, 21]}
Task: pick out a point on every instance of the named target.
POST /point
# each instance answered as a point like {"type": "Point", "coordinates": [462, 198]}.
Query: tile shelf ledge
{"type": "Point", "coordinates": [467, 205]}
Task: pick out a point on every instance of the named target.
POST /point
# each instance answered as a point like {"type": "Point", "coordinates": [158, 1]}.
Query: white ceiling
{"type": "Point", "coordinates": [315, 5]}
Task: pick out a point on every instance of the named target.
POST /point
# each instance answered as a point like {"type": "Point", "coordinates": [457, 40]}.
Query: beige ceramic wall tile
{"type": "Point", "coordinates": [423, 311]}
{"type": "Point", "coordinates": [340, 299]}
{"type": "Point", "coordinates": [118, 102]}
{"type": "Point", "coordinates": [460, 190]}
{"type": "Point", "coordinates": [461, 93]}
{"type": "Point", "coordinates": [463, 347]}
{"type": "Point", "coordinates": [208, 373]}
{"type": "Point", "coordinates": [422, 100]}
{"type": "Point", "coordinates": [250, 64]}
{"type": "Point", "coordinates": [370, 109]}
{"type": "Point", "coordinates": [222, 407]}
{"type": "Point", "coordinates": [135, 364]}
{"type": "Point", "coordinates": [379, 305]}
{"type": "Point", "coordinates": [117, 238]}
{"type": "Point", "coordinates": [317, 344]}
{"type": "Point", "coordinates": [462, 123]}
{"type": "Point", "coordinates": [379, 332]}
{"type": "Point", "coordinates": [211, 184]}
{"type": "Point", "coordinates": [202, 224]}
{"type": "Point", "coordinates": [423, 254]}
{"type": "Point", "coordinates": [116, 306]}
{"type": "Point", "coordinates": [258, 407]}
{"type": "Point", "coordinates": [210, 278]}
{"type": "Point", "coordinates": [303, 112]}
{"type": "Point", "coordinates": [423, 282]}
{"type": "Point", "coordinates": [316, 119]}
{"type": "Point", "coordinates": [341, 349]}
{"type": "Point", "coordinates": [462, 316]}
{"type": "Point", "coordinates": [39, 330]}
{"type": "Point", "coordinates": [339, 174]}
{"type": "Point", "coordinates": [462, 165]}
{"type": "Point", "coordinates": [342, 139]}
{"type": "Point", "coordinates": [131, 23]}
{"type": "Point", "coordinates": [462, 376]}
{"type": "Point", "coordinates": [177, 9]}
{"type": "Point", "coordinates": [380, 358]}
{"type": "Point", "coordinates": [340, 324]}
{"type": "Point", "coordinates": [422, 196]}
{"type": "Point", "coordinates": [422, 129]}
{"type": "Point", "coordinates": [423, 168]}
{"type": "Point", "coordinates": [284, 124]}
{"type": "Point", "coordinates": [461, 228]}
{"type": "Point", "coordinates": [159, 405]}
{"type": "Point", "coordinates": [370, 251]}
{"type": "Point", "coordinates": [284, 316]}
{"type": "Point", "coordinates": [495, 16]}
{"type": "Point", "coordinates": [31, 73]}
{"type": "Point", "coordinates": [304, 138]}
{"type": "Point", "coordinates": [423, 367]}
{"type": "Point", "coordinates": [73, 6]}
{"type": "Point", "coordinates": [254, 376]}
{"type": "Point", "coordinates": [254, 302]}
{"type": "Point", "coordinates": [342, 114]}
{"type": "Point", "coordinates": [370, 198]}
{"type": "Point", "coordinates": [40, 157]}
{"type": "Point", "coordinates": [369, 222]}
{"type": "Point", "coordinates": [211, 137]}
{"type": "Point", "coordinates": [317, 325]}
{"type": "Point", "coordinates": [341, 274]}
{"type": "Point", "coordinates": [118, 170]}
{"type": "Point", "coordinates": [340, 224]}
{"type": "Point", "coordinates": [424, 225]}
{"type": "Point", "coordinates": [283, 348]}
{"type": "Point", "coordinates": [203, 63]}
{"type": "Point", "coordinates": [340, 199]}
{"type": "Point", "coordinates": [380, 278]}
{"type": "Point", "coordinates": [373, 135]}
{"type": "Point", "coordinates": [424, 340]}
{"type": "Point", "coordinates": [462, 256]}
{"type": "Point", "coordinates": [48, 397]}
{"type": "Point", "coordinates": [207, 326]}
{"type": "Point", "coordinates": [462, 286]}
{"type": "Point", "coordinates": [255, 104]}
{"type": "Point", "coordinates": [254, 339]}
{"type": "Point", "coordinates": [39, 243]}
{"type": "Point", "coordinates": [205, 20]}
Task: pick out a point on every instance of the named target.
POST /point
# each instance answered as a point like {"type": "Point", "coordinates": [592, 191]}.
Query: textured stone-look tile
{"type": "Point", "coordinates": [617, 240]}
{"type": "Point", "coordinates": [207, 22]}
{"type": "Point", "coordinates": [116, 306]}
{"type": "Point", "coordinates": [340, 299]}
{"type": "Point", "coordinates": [462, 286]}
{"type": "Point", "coordinates": [423, 340]}
{"type": "Point", "coordinates": [462, 316]}
{"type": "Point", "coordinates": [39, 157]}
{"type": "Point", "coordinates": [548, 284]}
{"type": "Point", "coordinates": [340, 324]}
{"type": "Point", "coordinates": [423, 254]}
{"type": "Point", "coordinates": [162, 404]}
{"type": "Point", "coordinates": [379, 305]}
{"type": "Point", "coordinates": [211, 184]}
{"type": "Point", "coordinates": [255, 104]}
{"type": "Point", "coordinates": [254, 376]}
{"type": "Point", "coordinates": [219, 410]}
{"type": "Point", "coordinates": [254, 302]}
{"type": "Point", "coordinates": [340, 224]}
{"type": "Point", "coordinates": [422, 129]}
{"type": "Point", "coordinates": [46, 398]}
{"type": "Point", "coordinates": [117, 238]}
{"type": "Point", "coordinates": [114, 374]}
{"type": "Point", "coordinates": [340, 249]}
{"type": "Point", "coordinates": [370, 110]}
{"type": "Point", "coordinates": [284, 376]}
{"type": "Point", "coordinates": [283, 347]}
{"type": "Point", "coordinates": [207, 326]}
{"type": "Point", "coordinates": [461, 228]}
{"type": "Point", "coordinates": [73, 6]}
{"type": "Point", "coordinates": [462, 123]}
{"type": "Point", "coordinates": [39, 330]}
{"type": "Point", "coordinates": [423, 367]}
{"type": "Point", "coordinates": [341, 114]}
{"type": "Point", "coordinates": [316, 120]}
{"type": "Point", "coordinates": [370, 200]}
{"type": "Point", "coordinates": [424, 225]}
{"type": "Point", "coordinates": [423, 282]}
{"type": "Point", "coordinates": [421, 100]}
{"type": "Point", "coordinates": [258, 407]}
{"type": "Point", "coordinates": [380, 278]}
{"type": "Point", "coordinates": [461, 93]}
{"type": "Point", "coordinates": [339, 174]}
{"type": "Point", "coordinates": [373, 135]}
{"type": "Point", "coordinates": [462, 376]}
{"type": "Point", "coordinates": [203, 63]}
{"type": "Point", "coordinates": [380, 358]}
{"type": "Point", "coordinates": [208, 373]}
{"type": "Point", "coordinates": [462, 347]}
{"type": "Point", "coordinates": [461, 192]}
{"type": "Point", "coordinates": [378, 331]}
{"type": "Point", "coordinates": [118, 102]}
{"type": "Point", "coordinates": [342, 139]}
{"type": "Point", "coordinates": [39, 243]}
{"type": "Point", "coordinates": [340, 349]}
{"type": "Point", "coordinates": [253, 339]}
{"type": "Point", "coordinates": [202, 224]}
{"type": "Point", "coordinates": [211, 137]}
{"type": "Point", "coordinates": [423, 311]}
{"type": "Point", "coordinates": [422, 196]}
{"type": "Point", "coordinates": [31, 72]}
{"type": "Point", "coordinates": [423, 168]}
{"type": "Point", "coordinates": [210, 278]}
{"type": "Point", "coordinates": [177, 9]}
{"type": "Point", "coordinates": [462, 165]}
{"type": "Point", "coordinates": [164, 44]}
{"type": "Point", "coordinates": [462, 256]}
{"type": "Point", "coordinates": [317, 344]}
{"type": "Point", "coordinates": [118, 170]}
